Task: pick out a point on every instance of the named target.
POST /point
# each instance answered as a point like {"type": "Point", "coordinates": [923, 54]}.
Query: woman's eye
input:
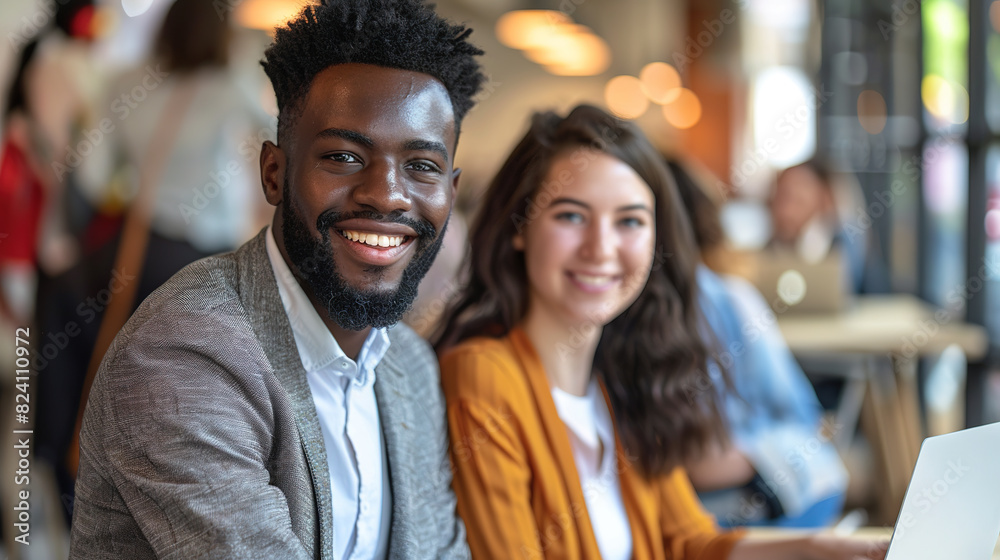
{"type": "Point", "coordinates": [571, 217]}
{"type": "Point", "coordinates": [631, 222]}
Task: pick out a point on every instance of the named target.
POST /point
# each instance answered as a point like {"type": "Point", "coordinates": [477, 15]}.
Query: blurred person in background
{"type": "Point", "coordinates": [571, 361]}
{"type": "Point", "coordinates": [781, 468]}
{"type": "Point", "coordinates": [814, 211]}
{"type": "Point", "coordinates": [205, 198]}
{"type": "Point", "coordinates": [25, 181]}
{"type": "Point", "coordinates": [50, 99]}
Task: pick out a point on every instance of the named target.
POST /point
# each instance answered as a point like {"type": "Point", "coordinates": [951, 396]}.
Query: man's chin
{"type": "Point", "coordinates": [356, 309]}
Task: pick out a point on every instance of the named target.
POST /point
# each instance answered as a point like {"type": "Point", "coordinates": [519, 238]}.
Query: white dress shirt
{"type": "Point", "coordinates": [592, 437]}
{"type": "Point", "coordinates": [344, 393]}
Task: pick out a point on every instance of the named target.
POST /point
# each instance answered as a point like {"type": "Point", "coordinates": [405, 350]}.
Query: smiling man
{"type": "Point", "coordinates": [265, 403]}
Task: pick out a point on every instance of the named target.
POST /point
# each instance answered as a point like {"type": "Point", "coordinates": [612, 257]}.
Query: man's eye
{"type": "Point", "coordinates": [343, 157]}
{"type": "Point", "coordinates": [423, 167]}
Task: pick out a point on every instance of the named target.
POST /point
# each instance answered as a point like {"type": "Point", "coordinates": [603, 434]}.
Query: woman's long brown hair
{"type": "Point", "coordinates": [651, 357]}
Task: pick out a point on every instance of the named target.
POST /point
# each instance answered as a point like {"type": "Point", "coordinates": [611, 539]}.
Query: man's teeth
{"type": "Point", "coordinates": [592, 280]}
{"type": "Point", "coordinates": [374, 239]}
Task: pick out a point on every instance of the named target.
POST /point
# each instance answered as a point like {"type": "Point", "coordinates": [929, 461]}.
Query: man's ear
{"type": "Point", "coordinates": [455, 174]}
{"type": "Point", "coordinates": [272, 172]}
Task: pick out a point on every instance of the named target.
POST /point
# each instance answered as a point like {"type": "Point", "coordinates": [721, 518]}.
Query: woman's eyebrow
{"type": "Point", "coordinates": [639, 206]}
{"type": "Point", "coordinates": [565, 200]}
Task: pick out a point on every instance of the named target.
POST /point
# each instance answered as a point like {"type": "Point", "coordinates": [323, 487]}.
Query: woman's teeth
{"type": "Point", "coordinates": [592, 280]}
{"type": "Point", "coordinates": [374, 239]}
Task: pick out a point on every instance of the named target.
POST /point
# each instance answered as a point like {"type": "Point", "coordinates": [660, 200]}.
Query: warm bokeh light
{"type": "Point", "coordinates": [684, 111]}
{"type": "Point", "coordinates": [523, 29]}
{"type": "Point", "coordinates": [549, 44]}
{"type": "Point", "coordinates": [944, 99]}
{"type": "Point", "coordinates": [267, 14]}
{"type": "Point", "coordinates": [872, 111]}
{"type": "Point", "coordinates": [660, 82]}
{"type": "Point", "coordinates": [625, 98]}
{"type": "Point", "coordinates": [995, 15]}
{"type": "Point", "coordinates": [581, 54]}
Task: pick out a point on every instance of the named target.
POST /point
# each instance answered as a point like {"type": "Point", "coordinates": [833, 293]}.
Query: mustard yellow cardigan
{"type": "Point", "coordinates": [515, 477]}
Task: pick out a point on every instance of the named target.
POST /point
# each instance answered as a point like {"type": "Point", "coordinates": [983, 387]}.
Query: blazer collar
{"type": "Point", "coordinates": [259, 296]}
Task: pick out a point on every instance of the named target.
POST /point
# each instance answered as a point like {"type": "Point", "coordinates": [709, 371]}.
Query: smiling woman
{"type": "Point", "coordinates": [590, 317]}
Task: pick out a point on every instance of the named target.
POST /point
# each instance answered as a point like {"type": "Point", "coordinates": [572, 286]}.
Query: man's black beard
{"type": "Point", "coordinates": [353, 308]}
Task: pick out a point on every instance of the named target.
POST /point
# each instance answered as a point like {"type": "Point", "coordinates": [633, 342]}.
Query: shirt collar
{"type": "Point", "coordinates": [317, 347]}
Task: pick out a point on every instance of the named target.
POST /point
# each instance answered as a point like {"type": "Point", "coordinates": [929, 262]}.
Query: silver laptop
{"type": "Point", "coordinates": [952, 506]}
{"type": "Point", "coordinates": [792, 285]}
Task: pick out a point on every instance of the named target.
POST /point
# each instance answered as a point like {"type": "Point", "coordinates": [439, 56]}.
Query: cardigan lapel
{"type": "Point", "coordinates": [555, 433]}
{"type": "Point", "coordinates": [260, 297]}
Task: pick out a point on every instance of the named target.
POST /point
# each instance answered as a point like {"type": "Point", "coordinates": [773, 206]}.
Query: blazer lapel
{"type": "Point", "coordinates": [396, 419]}
{"type": "Point", "coordinates": [260, 297]}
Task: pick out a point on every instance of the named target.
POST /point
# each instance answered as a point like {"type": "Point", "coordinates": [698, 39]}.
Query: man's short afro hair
{"type": "Point", "coordinates": [402, 34]}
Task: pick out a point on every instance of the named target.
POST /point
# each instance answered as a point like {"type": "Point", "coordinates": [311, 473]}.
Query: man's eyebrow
{"type": "Point", "coordinates": [349, 135]}
{"type": "Point", "coordinates": [427, 145]}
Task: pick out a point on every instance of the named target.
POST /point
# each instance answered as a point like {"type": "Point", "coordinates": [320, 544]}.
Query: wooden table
{"type": "Point", "coordinates": [896, 330]}
{"type": "Point", "coordinates": [900, 324]}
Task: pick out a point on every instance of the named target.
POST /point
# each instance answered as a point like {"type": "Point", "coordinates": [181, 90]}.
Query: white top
{"type": "Point", "coordinates": [592, 437]}
{"type": "Point", "coordinates": [344, 394]}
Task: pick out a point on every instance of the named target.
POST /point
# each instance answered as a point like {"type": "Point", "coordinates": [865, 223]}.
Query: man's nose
{"type": "Point", "coordinates": [383, 189]}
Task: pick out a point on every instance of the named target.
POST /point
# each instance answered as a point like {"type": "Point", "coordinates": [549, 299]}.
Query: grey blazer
{"type": "Point", "coordinates": [201, 440]}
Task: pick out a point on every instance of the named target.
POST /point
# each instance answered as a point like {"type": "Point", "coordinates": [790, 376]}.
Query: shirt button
{"type": "Point", "coordinates": [364, 508]}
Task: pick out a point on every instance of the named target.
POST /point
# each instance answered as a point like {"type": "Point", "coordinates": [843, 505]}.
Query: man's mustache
{"type": "Point", "coordinates": [425, 231]}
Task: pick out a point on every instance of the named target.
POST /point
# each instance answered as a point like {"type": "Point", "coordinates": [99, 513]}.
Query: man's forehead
{"type": "Point", "coordinates": [386, 104]}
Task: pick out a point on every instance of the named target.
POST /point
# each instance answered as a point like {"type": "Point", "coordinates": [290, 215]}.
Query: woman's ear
{"type": "Point", "coordinates": [518, 242]}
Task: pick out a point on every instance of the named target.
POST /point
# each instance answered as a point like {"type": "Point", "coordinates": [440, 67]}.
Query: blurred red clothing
{"type": "Point", "coordinates": [22, 198]}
